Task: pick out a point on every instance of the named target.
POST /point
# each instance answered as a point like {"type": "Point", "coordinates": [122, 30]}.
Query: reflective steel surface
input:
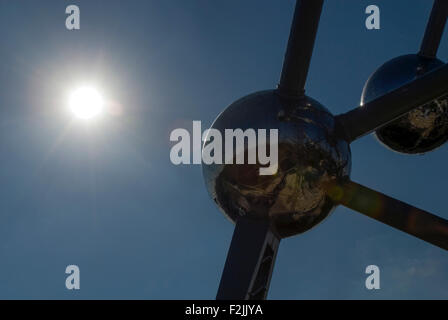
{"type": "Point", "coordinates": [310, 155]}
{"type": "Point", "coordinates": [421, 130]}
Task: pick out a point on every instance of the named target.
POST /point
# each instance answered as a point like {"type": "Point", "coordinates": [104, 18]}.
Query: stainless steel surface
{"type": "Point", "coordinates": [395, 213]}
{"type": "Point", "coordinates": [422, 129]}
{"type": "Point", "coordinates": [300, 47]}
{"type": "Point", "coordinates": [310, 155]}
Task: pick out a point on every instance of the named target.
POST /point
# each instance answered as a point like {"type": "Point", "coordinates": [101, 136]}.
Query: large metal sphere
{"type": "Point", "coordinates": [421, 130]}
{"type": "Point", "coordinates": [309, 155]}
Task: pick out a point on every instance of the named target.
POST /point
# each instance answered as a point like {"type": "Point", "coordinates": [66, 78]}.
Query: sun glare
{"type": "Point", "coordinates": [86, 103]}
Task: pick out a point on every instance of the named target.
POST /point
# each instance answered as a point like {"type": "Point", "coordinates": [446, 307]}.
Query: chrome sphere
{"type": "Point", "coordinates": [309, 156]}
{"type": "Point", "coordinates": [422, 129]}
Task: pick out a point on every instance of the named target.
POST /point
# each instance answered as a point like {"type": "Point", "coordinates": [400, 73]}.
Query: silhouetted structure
{"type": "Point", "coordinates": [314, 153]}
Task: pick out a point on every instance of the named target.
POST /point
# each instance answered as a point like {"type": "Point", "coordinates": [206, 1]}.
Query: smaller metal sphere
{"type": "Point", "coordinates": [309, 156]}
{"type": "Point", "coordinates": [420, 130]}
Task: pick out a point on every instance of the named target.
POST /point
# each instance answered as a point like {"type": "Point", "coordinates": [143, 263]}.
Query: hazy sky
{"type": "Point", "coordinates": [105, 196]}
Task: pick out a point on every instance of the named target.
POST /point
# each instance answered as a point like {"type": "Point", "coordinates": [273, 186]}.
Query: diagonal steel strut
{"type": "Point", "coordinates": [434, 29]}
{"type": "Point", "coordinates": [390, 211]}
{"type": "Point", "coordinates": [250, 261]}
{"type": "Point", "coordinates": [300, 47]}
{"type": "Point", "coordinates": [379, 112]}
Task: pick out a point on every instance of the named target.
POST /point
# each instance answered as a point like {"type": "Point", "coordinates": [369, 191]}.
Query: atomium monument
{"type": "Point", "coordinates": [404, 103]}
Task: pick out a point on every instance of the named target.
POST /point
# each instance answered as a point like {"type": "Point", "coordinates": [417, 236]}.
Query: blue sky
{"type": "Point", "coordinates": [106, 197]}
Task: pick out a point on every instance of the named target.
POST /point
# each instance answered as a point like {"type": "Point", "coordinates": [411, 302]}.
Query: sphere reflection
{"type": "Point", "coordinates": [309, 156]}
{"type": "Point", "coordinates": [422, 129]}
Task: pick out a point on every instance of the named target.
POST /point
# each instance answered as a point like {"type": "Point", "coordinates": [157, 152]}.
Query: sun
{"type": "Point", "coordinates": [86, 103]}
